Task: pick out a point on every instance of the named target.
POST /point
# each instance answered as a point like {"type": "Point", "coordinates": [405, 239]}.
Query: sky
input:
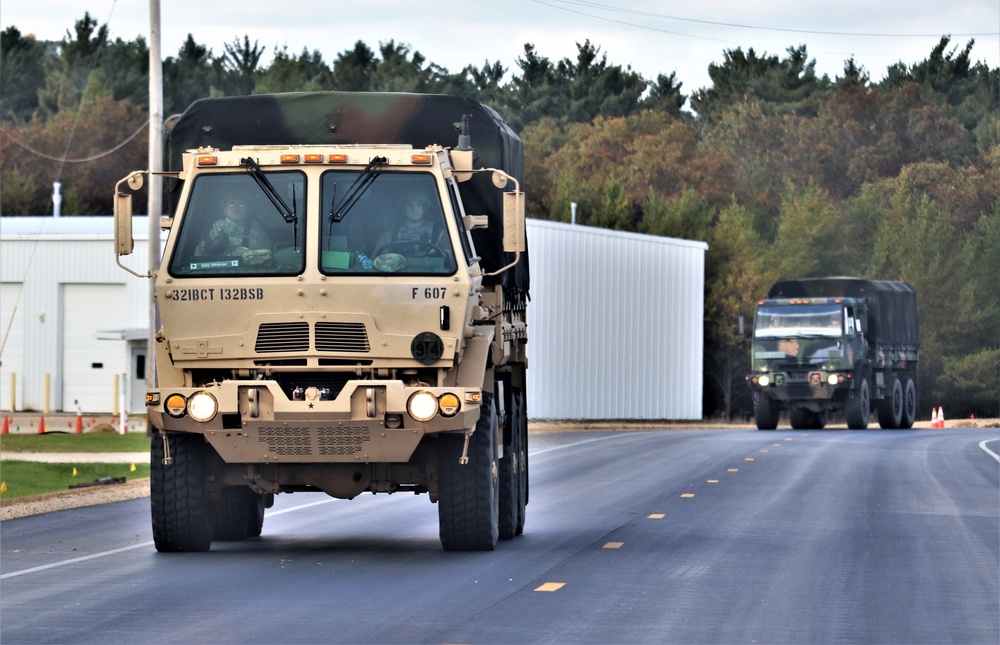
{"type": "Point", "coordinates": [650, 37]}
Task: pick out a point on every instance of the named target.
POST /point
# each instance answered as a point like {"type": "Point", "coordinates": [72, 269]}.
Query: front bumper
{"type": "Point", "coordinates": [799, 386]}
{"type": "Point", "coordinates": [366, 423]}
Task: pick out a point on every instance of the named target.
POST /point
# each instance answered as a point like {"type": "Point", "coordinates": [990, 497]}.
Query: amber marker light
{"type": "Point", "coordinates": [337, 158]}
{"type": "Point", "coordinates": [175, 405]}
{"type": "Point", "coordinates": [420, 159]}
{"type": "Point", "coordinates": [289, 159]}
{"type": "Point", "coordinates": [313, 158]}
{"type": "Point", "coordinates": [449, 404]}
{"type": "Point", "coordinates": [207, 160]}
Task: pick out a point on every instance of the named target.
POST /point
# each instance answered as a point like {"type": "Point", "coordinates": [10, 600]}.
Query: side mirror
{"type": "Point", "coordinates": [123, 214]}
{"type": "Point", "coordinates": [513, 222]}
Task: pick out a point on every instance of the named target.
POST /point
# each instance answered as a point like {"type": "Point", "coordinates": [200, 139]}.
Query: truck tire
{"type": "Point", "coordinates": [469, 494]}
{"type": "Point", "coordinates": [909, 404]}
{"type": "Point", "coordinates": [512, 481]}
{"type": "Point", "coordinates": [800, 419]}
{"type": "Point", "coordinates": [182, 516]}
{"type": "Point", "coordinates": [239, 514]}
{"type": "Point", "coordinates": [858, 407]}
{"type": "Point", "coordinates": [890, 408]}
{"type": "Point", "coordinates": [765, 411]}
{"type": "Point", "coordinates": [522, 471]}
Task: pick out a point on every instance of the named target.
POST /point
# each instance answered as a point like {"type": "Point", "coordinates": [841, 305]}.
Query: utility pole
{"type": "Point", "coordinates": [155, 197]}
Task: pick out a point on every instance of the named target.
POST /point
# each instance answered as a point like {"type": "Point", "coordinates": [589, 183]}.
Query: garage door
{"type": "Point", "coordinates": [90, 365]}
{"type": "Point", "coordinates": [12, 340]}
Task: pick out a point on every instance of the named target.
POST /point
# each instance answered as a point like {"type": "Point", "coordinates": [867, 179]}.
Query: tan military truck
{"type": "Point", "coordinates": [343, 305]}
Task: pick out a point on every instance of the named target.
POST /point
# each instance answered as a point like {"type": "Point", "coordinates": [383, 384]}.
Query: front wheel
{"type": "Point", "coordinates": [765, 411]}
{"type": "Point", "coordinates": [858, 407]}
{"type": "Point", "coordinates": [469, 494]}
{"type": "Point", "coordinates": [182, 517]}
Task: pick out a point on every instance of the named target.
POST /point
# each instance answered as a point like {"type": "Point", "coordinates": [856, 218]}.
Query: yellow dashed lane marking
{"type": "Point", "coordinates": [712, 481]}
{"type": "Point", "coordinates": [656, 516]}
{"type": "Point", "coordinates": [788, 438]}
{"type": "Point", "coordinates": [748, 459]}
{"type": "Point", "coordinates": [614, 545]}
{"type": "Point", "coordinates": [762, 450]}
{"type": "Point", "coordinates": [551, 586]}
{"type": "Point", "coordinates": [688, 495]}
{"type": "Point", "coordinates": [732, 470]}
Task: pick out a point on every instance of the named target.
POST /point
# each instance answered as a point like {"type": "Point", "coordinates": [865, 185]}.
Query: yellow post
{"type": "Point", "coordinates": [48, 390]}
{"type": "Point", "coordinates": [114, 398]}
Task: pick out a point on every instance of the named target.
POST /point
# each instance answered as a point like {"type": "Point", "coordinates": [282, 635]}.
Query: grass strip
{"type": "Point", "coordinates": [71, 442]}
{"type": "Point", "coordinates": [27, 478]}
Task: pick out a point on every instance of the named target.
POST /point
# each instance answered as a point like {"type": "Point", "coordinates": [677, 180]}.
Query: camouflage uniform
{"type": "Point", "coordinates": [238, 235]}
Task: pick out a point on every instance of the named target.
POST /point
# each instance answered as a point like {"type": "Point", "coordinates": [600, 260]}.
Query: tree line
{"type": "Point", "coordinates": [784, 172]}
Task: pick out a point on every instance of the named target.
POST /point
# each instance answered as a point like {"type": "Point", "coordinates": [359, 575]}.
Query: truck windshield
{"type": "Point", "coordinates": [396, 226]}
{"type": "Point", "coordinates": [231, 227]}
{"type": "Point", "coordinates": [798, 320]}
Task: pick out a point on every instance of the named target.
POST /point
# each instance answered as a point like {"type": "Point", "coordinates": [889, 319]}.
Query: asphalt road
{"type": "Point", "coordinates": [694, 536]}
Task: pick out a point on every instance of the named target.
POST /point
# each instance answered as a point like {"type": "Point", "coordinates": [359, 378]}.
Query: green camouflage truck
{"type": "Point", "coordinates": [343, 295]}
{"type": "Point", "coordinates": [835, 344]}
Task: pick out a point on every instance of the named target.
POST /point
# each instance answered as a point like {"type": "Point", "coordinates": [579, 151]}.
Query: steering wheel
{"type": "Point", "coordinates": [434, 248]}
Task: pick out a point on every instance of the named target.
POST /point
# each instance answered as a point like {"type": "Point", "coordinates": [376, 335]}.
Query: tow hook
{"type": "Point", "coordinates": [464, 459]}
{"type": "Point", "coordinates": [167, 459]}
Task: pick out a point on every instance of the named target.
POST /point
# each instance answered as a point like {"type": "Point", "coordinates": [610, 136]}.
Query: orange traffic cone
{"type": "Point", "coordinates": [41, 425]}
{"type": "Point", "coordinates": [6, 425]}
{"type": "Point", "coordinates": [79, 424]}
{"type": "Point", "coordinates": [941, 417]}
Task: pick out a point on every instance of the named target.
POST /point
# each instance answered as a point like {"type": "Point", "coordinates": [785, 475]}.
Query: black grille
{"type": "Point", "coordinates": [287, 441]}
{"type": "Point", "coordinates": [341, 337]}
{"type": "Point", "coordinates": [283, 337]}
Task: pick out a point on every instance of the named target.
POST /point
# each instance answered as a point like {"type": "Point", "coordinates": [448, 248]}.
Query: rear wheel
{"type": "Point", "coordinates": [800, 419]}
{"type": "Point", "coordinates": [239, 514]}
{"type": "Point", "coordinates": [909, 404]}
{"type": "Point", "coordinates": [181, 515]}
{"type": "Point", "coordinates": [513, 479]}
{"type": "Point", "coordinates": [765, 411]}
{"type": "Point", "coordinates": [858, 407]}
{"type": "Point", "coordinates": [890, 408]}
{"type": "Point", "coordinates": [468, 494]}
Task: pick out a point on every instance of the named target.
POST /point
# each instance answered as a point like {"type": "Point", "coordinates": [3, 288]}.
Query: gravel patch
{"type": "Point", "coordinates": [77, 498]}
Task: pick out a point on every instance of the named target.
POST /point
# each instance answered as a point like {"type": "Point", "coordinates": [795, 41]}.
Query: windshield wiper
{"type": "Point", "coordinates": [357, 189]}
{"type": "Point", "coordinates": [288, 214]}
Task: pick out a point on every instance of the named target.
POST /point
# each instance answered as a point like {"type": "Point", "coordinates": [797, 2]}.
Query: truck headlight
{"type": "Point", "coordinates": [832, 379]}
{"type": "Point", "coordinates": [422, 406]}
{"type": "Point", "coordinates": [764, 380]}
{"type": "Point", "coordinates": [202, 406]}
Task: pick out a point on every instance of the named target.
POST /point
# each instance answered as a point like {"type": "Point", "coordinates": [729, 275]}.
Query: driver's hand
{"type": "Point", "coordinates": [254, 256]}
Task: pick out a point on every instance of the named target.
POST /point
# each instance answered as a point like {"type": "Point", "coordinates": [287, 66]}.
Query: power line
{"type": "Point", "coordinates": [82, 159]}
{"type": "Point", "coordinates": [605, 7]}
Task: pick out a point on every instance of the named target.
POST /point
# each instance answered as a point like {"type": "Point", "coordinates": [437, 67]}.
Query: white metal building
{"type": "Point", "coordinates": [72, 323]}
{"type": "Point", "coordinates": [615, 324]}
{"type": "Point", "coordinates": [615, 320]}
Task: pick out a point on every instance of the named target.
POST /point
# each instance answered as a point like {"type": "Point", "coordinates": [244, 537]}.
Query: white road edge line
{"type": "Point", "coordinates": [46, 567]}
{"type": "Point", "coordinates": [124, 549]}
{"type": "Point", "coordinates": [982, 444]}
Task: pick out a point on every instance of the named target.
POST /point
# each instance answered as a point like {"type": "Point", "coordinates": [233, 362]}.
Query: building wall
{"type": "Point", "coordinates": [44, 261]}
{"type": "Point", "coordinates": [615, 319]}
{"type": "Point", "coordinates": [615, 324]}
